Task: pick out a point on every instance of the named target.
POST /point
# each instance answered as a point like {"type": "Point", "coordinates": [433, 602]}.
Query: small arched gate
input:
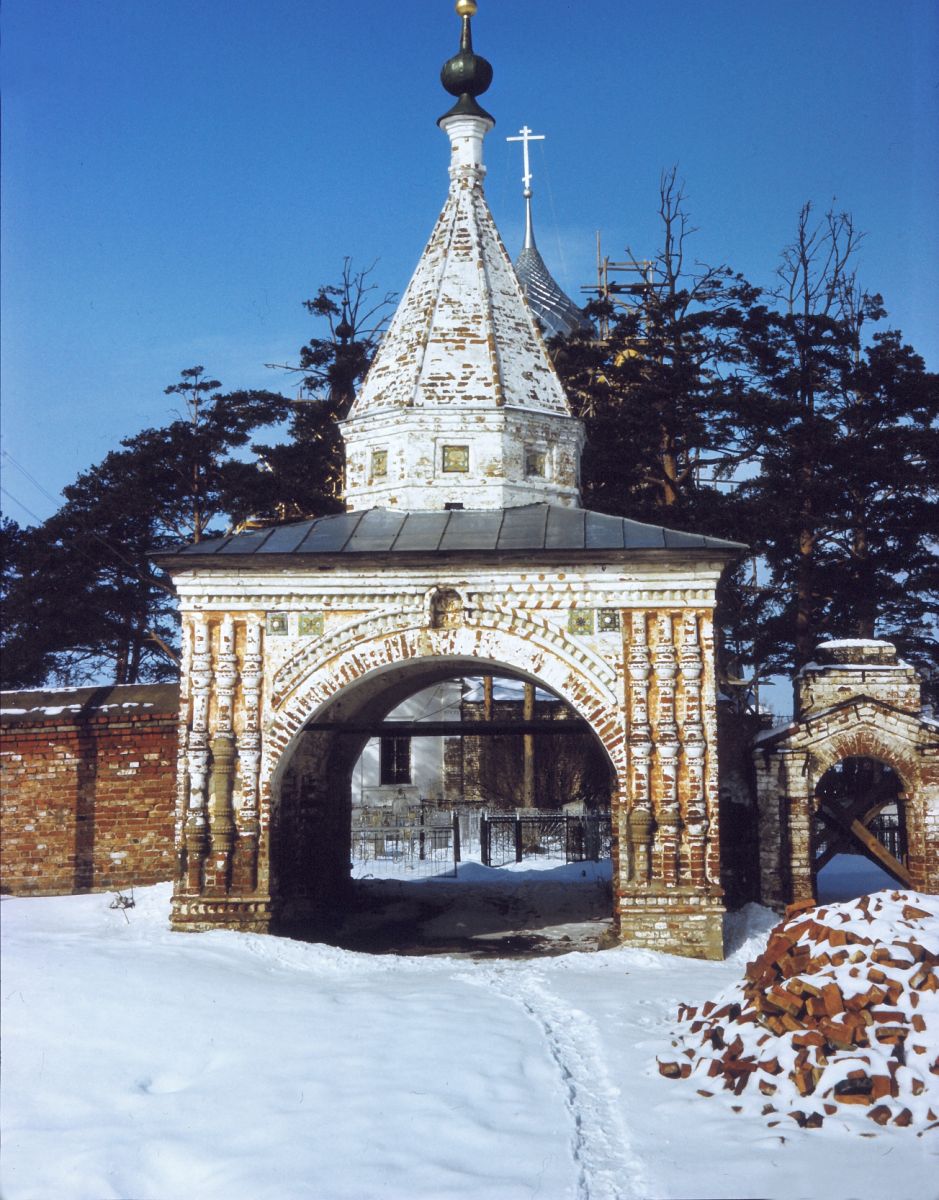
{"type": "Point", "coordinates": [860, 751]}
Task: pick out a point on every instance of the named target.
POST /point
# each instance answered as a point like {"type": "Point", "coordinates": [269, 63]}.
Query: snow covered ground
{"type": "Point", "coordinates": [145, 1065]}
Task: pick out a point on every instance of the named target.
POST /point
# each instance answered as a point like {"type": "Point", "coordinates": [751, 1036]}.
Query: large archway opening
{"type": "Point", "coordinates": [444, 804]}
{"type": "Point", "coordinates": [859, 834]}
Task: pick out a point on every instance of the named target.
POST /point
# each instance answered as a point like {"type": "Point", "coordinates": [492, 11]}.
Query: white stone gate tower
{"type": "Point", "coordinates": [463, 551]}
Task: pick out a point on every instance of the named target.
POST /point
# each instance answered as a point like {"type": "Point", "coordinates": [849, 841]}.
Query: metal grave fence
{"type": "Point", "coordinates": [567, 837]}
{"type": "Point", "coordinates": [416, 842]}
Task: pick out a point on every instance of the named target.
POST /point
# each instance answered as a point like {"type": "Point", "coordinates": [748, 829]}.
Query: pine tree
{"type": "Point", "coordinates": [307, 470]}
{"type": "Point", "coordinates": [879, 565]}
{"type": "Point", "coordinates": [197, 475]}
{"type": "Point", "coordinates": [87, 602]}
{"type": "Point", "coordinates": [24, 639]}
{"type": "Point", "coordinates": [843, 503]}
{"type": "Point", "coordinates": [84, 599]}
{"type": "Point", "coordinates": [656, 391]}
{"type": "Point", "coordinates": [661, 393]}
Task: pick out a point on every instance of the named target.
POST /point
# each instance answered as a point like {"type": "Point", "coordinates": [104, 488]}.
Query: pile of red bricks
{"type": "Point", "coordinates": [841, 1010]}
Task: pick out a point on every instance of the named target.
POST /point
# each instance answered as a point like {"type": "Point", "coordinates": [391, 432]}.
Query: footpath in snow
{"type": "Point", "coordinates": [143, 1064]}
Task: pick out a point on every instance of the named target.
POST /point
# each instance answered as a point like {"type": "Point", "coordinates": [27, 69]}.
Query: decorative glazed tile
{"type": "Point", "coordinates": [456, 458]}
{"type": "Point", "coordinates": [580, 620]}
{"type": "Point", "coordinates": [536, 462]}
{"type": "Point", "coordinates": [277, 624]}
{"type": "Point", "coordinates": [379, 463]}
{"type": "Point", "coordinates": [310, 624]}
{"type": "Point", "coordinates": [608, 620]}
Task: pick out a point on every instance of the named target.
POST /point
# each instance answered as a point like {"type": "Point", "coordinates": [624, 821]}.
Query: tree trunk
{"type": "Point", "coordinates": [861, 583]}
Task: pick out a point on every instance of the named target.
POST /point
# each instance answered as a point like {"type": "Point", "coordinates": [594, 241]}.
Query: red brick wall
{"type": "Point", "coordinates": [88, 791]}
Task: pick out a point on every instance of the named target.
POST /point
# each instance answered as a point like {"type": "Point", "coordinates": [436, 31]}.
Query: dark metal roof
{"type": "Point", "coordinates": [554, 309]}
{"type": "Point", "coordinates": [530, 527]}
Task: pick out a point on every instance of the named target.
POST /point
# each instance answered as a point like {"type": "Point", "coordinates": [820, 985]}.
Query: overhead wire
{"type": "Point", "coordinates": [16, 500]}
{"type": "Point", "coordinates": [32, 479]}
{"type": "Point", "coordinates": [562, 257]}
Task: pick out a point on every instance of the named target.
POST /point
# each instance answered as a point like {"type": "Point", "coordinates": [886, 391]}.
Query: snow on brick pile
{"type": "Point", "coordinates": [838, 1015]}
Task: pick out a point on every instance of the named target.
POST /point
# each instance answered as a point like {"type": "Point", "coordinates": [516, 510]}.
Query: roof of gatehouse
{"type": "Point", "coordinates": [542, 528]}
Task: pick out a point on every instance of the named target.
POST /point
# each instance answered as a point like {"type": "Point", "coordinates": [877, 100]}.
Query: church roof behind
{"type": "Point", "coordinates": [530, 527]}
{"type": "Point", "coordinates": [555, 310]}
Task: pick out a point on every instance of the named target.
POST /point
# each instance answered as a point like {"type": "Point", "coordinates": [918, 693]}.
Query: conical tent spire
{"type": "Point", "coordinates": [462, 406]}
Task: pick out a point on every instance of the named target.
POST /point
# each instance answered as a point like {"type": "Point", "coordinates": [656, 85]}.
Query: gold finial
{"type": "Point", "coordinates": [466, 8]}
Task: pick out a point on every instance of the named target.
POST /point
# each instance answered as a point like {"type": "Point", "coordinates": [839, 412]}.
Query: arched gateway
{"type": "Point", "coordinates": [462, 550]}
{"type": "Point", "coordinates": [857, 706]}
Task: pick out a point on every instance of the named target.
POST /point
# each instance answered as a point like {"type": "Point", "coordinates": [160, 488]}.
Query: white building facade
{"type": "Point", "coordinates": [463, 552]}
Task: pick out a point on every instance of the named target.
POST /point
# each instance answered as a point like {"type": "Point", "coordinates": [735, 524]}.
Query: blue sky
{"type": "Point", "coordinates": [179, 176]}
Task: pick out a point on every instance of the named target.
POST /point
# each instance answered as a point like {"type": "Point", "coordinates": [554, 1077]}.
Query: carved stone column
{"type": "Point", "coordinates": [245, 863]}
{"type": "Point", "coordinates": [182, 747]}
{"type": "Point", "coordinates": [711, 773]}
{"type": "Point", "coordinates": [220, 814]}
{"type": "Point", "coordinates": [197, 841]}
{"type": "Point", "coordinates": [668, 819]}
{"type": "Point", "coordinates": [221, 781]}
{"type": "Point", "coordinates": [694, 802]}
{"type": "Point", "coordinates": [640, 753]}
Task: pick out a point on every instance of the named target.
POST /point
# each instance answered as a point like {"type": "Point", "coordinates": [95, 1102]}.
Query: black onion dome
{"type": "Point", "coordinates": [466, 75]}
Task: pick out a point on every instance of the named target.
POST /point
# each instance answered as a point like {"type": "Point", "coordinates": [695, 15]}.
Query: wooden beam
{"type": "Point", "coordinates": [451, 728]}
{"type": "Point", "coordinates": [836, 844]}
{"type": "Point", "coordinates": [844, 836]}
{"type": "Point", "coordinates": [881, 853]}
{"type": "Point", "coordinates": [487, 697]}
{"type": "Point", "coordinates": [871, 846]}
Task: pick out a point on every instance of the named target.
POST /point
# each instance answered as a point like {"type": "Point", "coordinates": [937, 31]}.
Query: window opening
{"type": "Point", "coordinates": [395, 760]}
{"type": "Point", "coordinates": [536, 462]}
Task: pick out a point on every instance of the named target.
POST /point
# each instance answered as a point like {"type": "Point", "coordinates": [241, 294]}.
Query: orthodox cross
{"type": "Point", "coordinates": [526, 136]}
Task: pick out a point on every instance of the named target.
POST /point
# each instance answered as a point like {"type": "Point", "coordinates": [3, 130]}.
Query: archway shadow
{"type": "Point", "coordinates": [480, 912]}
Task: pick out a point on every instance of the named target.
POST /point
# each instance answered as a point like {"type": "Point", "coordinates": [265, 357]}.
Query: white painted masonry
{"type": "Point", "coordinates": [462, 404]}
{"type": "Point", "coordinates": [339, 620]}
